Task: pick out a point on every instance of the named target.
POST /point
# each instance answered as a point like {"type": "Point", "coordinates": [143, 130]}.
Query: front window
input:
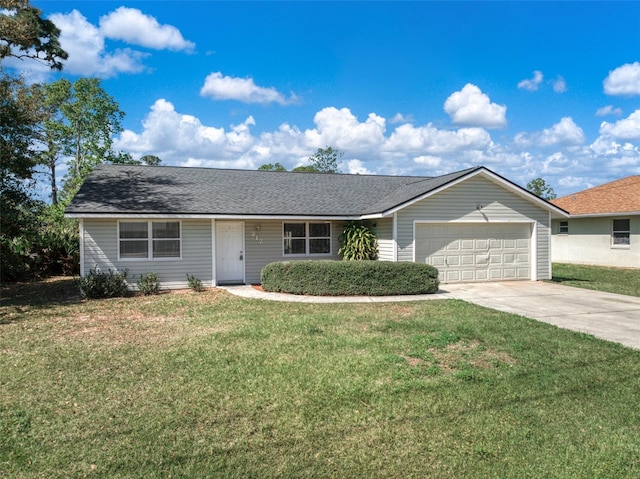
{"type": "Point", "coordinates": [149, 239]}
{"type": "Point", "coordinates": [134, 240]}
{"type": "Point", "coordinates": [621, 234]}
{"type": "Point", "coordinates": [306, 239]}
{"type": "Point", "coordinates": [166, 239]}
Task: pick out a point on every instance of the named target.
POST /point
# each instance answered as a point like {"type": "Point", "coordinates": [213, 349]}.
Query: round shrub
{"type": "Point", "coordinates": [349, 278]}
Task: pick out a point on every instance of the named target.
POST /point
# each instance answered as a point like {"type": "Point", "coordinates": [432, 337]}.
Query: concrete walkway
{"type": "Point", "coordinates": [613, 317]}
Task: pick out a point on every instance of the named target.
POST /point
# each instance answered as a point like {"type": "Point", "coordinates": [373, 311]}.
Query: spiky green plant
{"type": "Point", "coordinates": [358, 242]}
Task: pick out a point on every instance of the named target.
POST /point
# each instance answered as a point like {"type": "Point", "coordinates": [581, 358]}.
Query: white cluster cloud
{"type": "Point", "coordinates": [471, 107]}
{"type": "Point", "coordinates": [563, 133]}
{"type": "Point", "coordinates": [559, 85]}
{"type": "Point", "coordinates": [220, 87]}
{"type": "Point", "coordinates": [627, 129]}
{"type": "Point", "coordinates": [532, 84]}
{"type": "Point", "coordinates": [609, 110]}
{"type": "Point", "coordinates": [559, 152]}
{"type": "Point", "coordinates": [624, 80]}
{"type": "Point", "coordinates": [86, 44]}
{"type": "Point", "coordinates": [182, 139]}
{"type": "Point", "coordinates": [134, 27]}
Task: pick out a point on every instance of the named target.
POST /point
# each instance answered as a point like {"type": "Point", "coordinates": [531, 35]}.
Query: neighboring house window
{"type": "Point", "coordinates": [307, 238]}
{"type": "Point", "coordinates": [621, 235]}
{"type": "Point", "coordinates": [564, 228]}
{"type": "Point", "coordinates": [149, 239]}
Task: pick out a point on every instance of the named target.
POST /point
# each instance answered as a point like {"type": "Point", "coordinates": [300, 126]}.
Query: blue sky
{"type": "Point", "coordinates": [528, 89]}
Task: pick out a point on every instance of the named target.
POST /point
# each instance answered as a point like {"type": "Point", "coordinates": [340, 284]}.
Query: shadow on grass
{"type": "Point", "coordinates": [17, 297]}
{"type": "Point", "coordinates": [563, 279]}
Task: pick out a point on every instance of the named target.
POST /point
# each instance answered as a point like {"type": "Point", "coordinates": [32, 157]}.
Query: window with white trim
{"type": "Point", "coordinates": [306, 238]}
{"type": "Point", "coordinates": [149, 239]}
{"type": "Point", "coordinates": [621, 233]}
{"type": "Point", "coordinates": [563, 228]}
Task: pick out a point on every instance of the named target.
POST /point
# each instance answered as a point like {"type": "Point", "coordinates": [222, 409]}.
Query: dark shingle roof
{"type": "Point", "coordinates": [126, 189]}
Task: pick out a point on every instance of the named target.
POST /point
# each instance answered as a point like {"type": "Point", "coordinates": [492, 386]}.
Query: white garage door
{"type": "Point", "coordinates": [475, 252]}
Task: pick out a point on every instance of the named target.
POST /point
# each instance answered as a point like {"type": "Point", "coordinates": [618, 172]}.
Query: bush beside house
{"type": "Point", "coordinates": [349, 278]}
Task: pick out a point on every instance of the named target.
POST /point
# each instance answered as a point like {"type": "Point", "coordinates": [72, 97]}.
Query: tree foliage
{"type": "Point", "coordinates": [151, 160]}
{"type": "Point", "coordinates": [325, 160]}
{"type": "Point", "coordinates": [25, 34]}
{"type": "Point", "coordinates": [539, 187]}
{"type": "Point", "coordinates": [81, 121]}
{"type": "Point", "coordinates": [272, 167]}
{"type": "Point", "coordinates": [34, 237]}
{"type": "Point", "coordinates": [19, 115]}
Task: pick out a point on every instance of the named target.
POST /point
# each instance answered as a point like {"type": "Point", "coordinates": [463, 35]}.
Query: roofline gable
{"type": "Point", "coordinates": [484, 171]}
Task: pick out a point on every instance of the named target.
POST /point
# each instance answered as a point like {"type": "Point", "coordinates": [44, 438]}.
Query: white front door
{"type": "Point", "coordinates": [230, 251]}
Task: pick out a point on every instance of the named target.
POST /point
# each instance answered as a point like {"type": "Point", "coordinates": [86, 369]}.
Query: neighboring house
{"type": "Point", "coordinates": [224, 226]}
{"type": "Point", "coordinates": [603, 227]}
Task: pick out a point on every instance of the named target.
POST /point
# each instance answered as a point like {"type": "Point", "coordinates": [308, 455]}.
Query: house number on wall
{"type": "Point", "coordinates": [256, 236]}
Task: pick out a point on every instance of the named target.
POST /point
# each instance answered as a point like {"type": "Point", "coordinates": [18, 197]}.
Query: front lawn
{"type": "Point", "coordinates": [600, 278]}
{"type": "Point", "coordinates": [206, 384]}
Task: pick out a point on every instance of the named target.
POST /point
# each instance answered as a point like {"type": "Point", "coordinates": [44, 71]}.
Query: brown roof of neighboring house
{"type": "Point", "coordinates": [620, 196]}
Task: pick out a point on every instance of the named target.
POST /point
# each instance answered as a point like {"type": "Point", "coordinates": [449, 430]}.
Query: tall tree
{"type": "Point", "coordinates": [25, 34]}
{"type": "Point", "coordinates": [325, 160]}
{"type": "Point", "coordinates": [539, 187]}
{"type": "Point", "coordinates": [51, 132]}
{"type": "Point", "coordinates": [81, 124]}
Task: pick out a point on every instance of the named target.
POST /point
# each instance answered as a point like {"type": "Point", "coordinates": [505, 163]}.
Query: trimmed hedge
{"type": "Point", "coordinates": [349, 278]}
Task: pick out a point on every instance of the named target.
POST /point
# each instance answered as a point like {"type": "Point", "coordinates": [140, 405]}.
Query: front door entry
{"type": "Point", "coordinates": [229, 252]}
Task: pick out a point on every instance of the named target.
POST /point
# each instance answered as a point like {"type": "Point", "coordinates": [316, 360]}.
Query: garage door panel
{"type": "Point", "coordinates": [467, 244]}
{"type": "Point", "coordinates": [452, 276]}
{"type": "Point", "coordinates": [508, 258]}
{"type": "Point", "coordinates": [482, 259]}
{"type": "Point", "coordinates": [467, 260]}
{"type": "Point", "coordinates": [509, 273]}
{"type": "Point", "coordinates": [452, 260]}
{"type": "Point", "coordinates": [481, 275]}
{"type": "Point", "coordinates": [471, 252]}
{"type": "Point", "coordinates": [467, 275]}
{"type": "Point", "coordinates": [437, 261]}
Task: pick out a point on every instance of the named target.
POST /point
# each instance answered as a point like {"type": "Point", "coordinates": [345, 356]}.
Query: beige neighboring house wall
{"type": "Point", "coordinates": [603, 227]}
{"type": "Point", "coordinates": [589, 241]}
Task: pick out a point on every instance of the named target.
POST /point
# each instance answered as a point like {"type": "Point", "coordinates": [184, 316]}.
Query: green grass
{"type": "Point", "coordinates": [209, 385]}
{"type": "Point", "coordinates": [600, 278]}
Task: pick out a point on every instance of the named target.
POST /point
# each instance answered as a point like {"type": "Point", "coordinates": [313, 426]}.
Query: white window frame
{"type": "Point", "coordinates": [150, 239]}
{"type": "Point", "coordinates": [307, 239]}
{"type": "Point", "coordinates": [614, 231]}
{"type": "Point", "coordinates": [566, 227]}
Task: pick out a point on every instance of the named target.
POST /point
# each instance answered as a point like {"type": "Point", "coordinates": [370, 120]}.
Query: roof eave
{"type": "Point", "coordinates": [147, 215]}
{"type": "Point", "coordinates": [603, 215]}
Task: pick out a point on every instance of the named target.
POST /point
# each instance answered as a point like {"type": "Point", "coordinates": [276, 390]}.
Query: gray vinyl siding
{"type": "Point", "coordinates": [460, 203]}
{"type": "Point", "coordinates": [384, 233]}
{"type": "Point", "coordinates": [101, 251]}
{"type": "Point", "coordinates": [265, 246]}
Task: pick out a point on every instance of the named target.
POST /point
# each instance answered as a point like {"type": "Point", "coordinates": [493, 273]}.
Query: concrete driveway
{"type": "Point", "coordinates": [613, 317]}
